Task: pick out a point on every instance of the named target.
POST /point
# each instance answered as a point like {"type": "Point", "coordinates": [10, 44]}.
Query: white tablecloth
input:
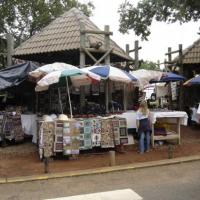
{"type": "Point", "coordinates": [169, 114]}
{"type": "Point", "coordinates": [29, 125]}
{"type": "Point", "coordinates": [130, 116]}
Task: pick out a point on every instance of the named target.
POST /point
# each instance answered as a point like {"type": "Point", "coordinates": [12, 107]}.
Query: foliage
{"type": "Point", "coordinates": [148, 65]}
{"type": "Point", "coordinates": [140, 18]}
{"type": "Point", "coordinates": [23, 18]}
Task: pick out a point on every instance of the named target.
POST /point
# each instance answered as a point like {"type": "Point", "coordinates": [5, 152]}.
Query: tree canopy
{"type": "Point", "coordinates": [23, 18]}
{"type": "Point", "coordinates": [139, 18]}
{"type": "Point", "coordinates": [149, 65]}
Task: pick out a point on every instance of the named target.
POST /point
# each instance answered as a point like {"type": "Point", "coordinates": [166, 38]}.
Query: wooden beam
{"type": "Point", "coordinates": [90, 55]}
{"type": "Point", "coordinates": [82, 64]}
{"type": "Point", "coordinates": [134, 49]}
{"type": "Point", "coordinates": [104, 56]}
{"type": "Point", "coordinates": [172, 52]}
{"type": "Point", "coordinates": [136, 54]}
{"type": "Point", "coordinates": [96, 32]}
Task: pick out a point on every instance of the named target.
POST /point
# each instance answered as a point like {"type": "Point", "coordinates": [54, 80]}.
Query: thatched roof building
{"type": "Point", "coordinates": [60, 41]}
{"type": "Point", "coordinates": [191, 55]}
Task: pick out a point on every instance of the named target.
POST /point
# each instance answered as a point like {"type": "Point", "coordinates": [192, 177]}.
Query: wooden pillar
{"type": "Point", "coordinates": [136, 54]}
{"type": "Point", "coordinates": [10, 46]}
{"type": "Point", "coordinates": [82, 64]}
{"type": "Point", "coordinates": [181, 72]}
{"type": "Point", "coordinates": [108, 95]}
{"type": "Point", "coordinates": [127, 49]}
{"type": "Point", "coordinates": [169, 54]}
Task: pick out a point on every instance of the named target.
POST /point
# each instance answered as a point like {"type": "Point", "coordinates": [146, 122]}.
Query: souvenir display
{"type": "Point", "coordinates": [107, 136]}
{"type": "Point", "coordinates": [48, 138]}
{"type": "Point", "coordinates": [96, 132]}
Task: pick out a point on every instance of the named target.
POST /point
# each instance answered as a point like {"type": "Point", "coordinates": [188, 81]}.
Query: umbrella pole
{"type": "Point", "coordinates": [70, 104]}
{"type": "Point", "coordinates": [106, 95]}
{"type": "Point", "coordinates": [125, 97]}
{"type": "Point", "coordinates": [60, 101]}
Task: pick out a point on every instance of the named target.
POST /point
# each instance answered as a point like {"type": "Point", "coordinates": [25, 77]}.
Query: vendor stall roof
{"type": "Point", "coordinates": [60, 41]}
{"type": "Point", "coordinates": [16, 74]}
{"type": "Point", "coordinates": [191, 55]}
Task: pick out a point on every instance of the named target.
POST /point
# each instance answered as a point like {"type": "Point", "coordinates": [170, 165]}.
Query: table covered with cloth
{"type": "Point", "coordinates": [169, 114]}
{"type": "Point", "coordinates": [29, 125]}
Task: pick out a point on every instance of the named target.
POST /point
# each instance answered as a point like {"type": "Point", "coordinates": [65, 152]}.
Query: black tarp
{"type": "Point", "coordinates": [16, 74]}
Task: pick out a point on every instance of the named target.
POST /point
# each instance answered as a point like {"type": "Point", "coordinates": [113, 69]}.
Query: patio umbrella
{"type": "Point", "coordinates": [193, 81]}
{"type": "Point", "coordinates": [111, 73]}
{"type": "Point", "coordinates": [108, 72]}
{"type": "Point", "coordinates": [46, 69]}
{"type": "Point", "coordinates": [76, 76]}
{"type": "Point", "coordinates": [167, 77]}
{"type": "Point", "coordinates": [144, 76]}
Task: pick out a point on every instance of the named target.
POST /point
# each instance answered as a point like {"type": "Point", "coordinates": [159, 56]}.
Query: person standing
{"type": "Point", "coordinates": [143, 125]}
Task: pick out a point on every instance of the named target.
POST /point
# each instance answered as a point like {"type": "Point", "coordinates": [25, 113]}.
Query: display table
{"type": "Point", "coordinates": [29, 125]}
{"type": "Point", "coordinates": [175, 117]}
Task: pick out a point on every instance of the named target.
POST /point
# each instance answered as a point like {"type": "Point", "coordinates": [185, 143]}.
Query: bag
{"type": "Point", "coordinates": [144, 125]}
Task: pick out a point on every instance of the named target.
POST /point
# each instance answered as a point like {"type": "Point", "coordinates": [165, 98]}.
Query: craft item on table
{"type": "Point", "coordinates": [48, 138]}
{"type": "Point", "coordinates": [96, 132]}
{"type": "Point", "coordinates": [13, 127]}
{"type": "Point", "coordinates": [107, 136]}
{"type": "Point", "coordinates": [123, 133]}
{"type": "Point", "coordinates": [8, 128]}
{"type": "Point", "coordinates": [115, 124]}
{"type": "Point", "coordinates": [81, 123]}
{"type": "Point", "coordinates": [41, 141]}
{"type": "Point", "coordinates": [85, 133]}
{"type": "Point", "coordinates": [160, 131]}
{"type": "Point", "coordinates": [71, 137]}
{"type": "Point", "coordinates": [58, 142]}
{"type": "Point", "coordinates": [123, 140]}
{"type": "Point", "coordinates": [17, 126]}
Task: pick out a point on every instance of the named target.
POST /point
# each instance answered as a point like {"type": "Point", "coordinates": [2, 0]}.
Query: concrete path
{"type": "Point", "coordinates": [168, 182]}
{"type": "Point", "coordinates": [126, 194]}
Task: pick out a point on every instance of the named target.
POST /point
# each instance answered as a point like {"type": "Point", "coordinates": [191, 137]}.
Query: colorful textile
{"type": "Point", "coordinates": [115, 123]}
{"type": "Point", "coordinates": [96, 132]}
{"type": "Point", "coordinates": [13, 128]}
{"type": "Point", "coordinates": [71, 138]}
{"type": "Point", "coordinates": [58, 142]}
{"type": "Point", "coordinates": [85, 133]}
{"type": "Point", "coordinates": [123, 133]}
{"type": "Point", "coordinates": [48, 138]}
{"type": "Point", "coordinates": [107, 136]}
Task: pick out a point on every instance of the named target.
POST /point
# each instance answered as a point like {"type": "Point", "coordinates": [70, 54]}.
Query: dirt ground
{"type": "Point", "coordinates": [23, 159]}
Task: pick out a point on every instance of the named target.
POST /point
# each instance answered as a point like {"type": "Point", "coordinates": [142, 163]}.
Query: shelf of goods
{"type": "Point", "coordinates": [161, 122]}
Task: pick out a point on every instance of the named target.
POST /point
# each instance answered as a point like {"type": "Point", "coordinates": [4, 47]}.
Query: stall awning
{"type": "Point", "coordinates": [16, 74]}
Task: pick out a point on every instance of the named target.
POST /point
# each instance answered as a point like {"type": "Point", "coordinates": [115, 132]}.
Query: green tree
{"type": "Point", "coordinates": [139, 18]}
{"type": "Point", "coordinates": [23, 18]}
{"type": "Point", "coordinates": [148, 65]}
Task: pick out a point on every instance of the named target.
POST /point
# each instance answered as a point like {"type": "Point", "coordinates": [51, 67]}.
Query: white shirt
{"type": "Point", "coordinates": [140, 116]}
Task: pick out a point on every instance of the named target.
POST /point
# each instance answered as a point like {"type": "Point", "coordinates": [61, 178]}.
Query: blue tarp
{"type": "Point", "coordinates": [16, 74]}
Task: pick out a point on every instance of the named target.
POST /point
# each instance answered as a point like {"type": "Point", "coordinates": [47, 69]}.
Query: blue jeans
{"type": "Point", "coordinates": [144, 143]}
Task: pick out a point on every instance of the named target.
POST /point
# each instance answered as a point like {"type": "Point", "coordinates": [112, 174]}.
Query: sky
{"type": "Point", "coordinates": [162, 35]}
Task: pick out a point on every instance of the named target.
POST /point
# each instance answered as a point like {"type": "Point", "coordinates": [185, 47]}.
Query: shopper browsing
{"type": "Point", "coordinates": [143, 125]}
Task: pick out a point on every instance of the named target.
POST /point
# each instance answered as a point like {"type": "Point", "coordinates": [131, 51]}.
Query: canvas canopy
{"type": "Point", "coordinates": [16, 74]}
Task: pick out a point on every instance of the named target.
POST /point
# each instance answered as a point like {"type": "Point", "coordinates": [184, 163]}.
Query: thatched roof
{"type": "Point", "coordinates": [60, 41]}
{"type": "Point", "coordinates": [191, 55]}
